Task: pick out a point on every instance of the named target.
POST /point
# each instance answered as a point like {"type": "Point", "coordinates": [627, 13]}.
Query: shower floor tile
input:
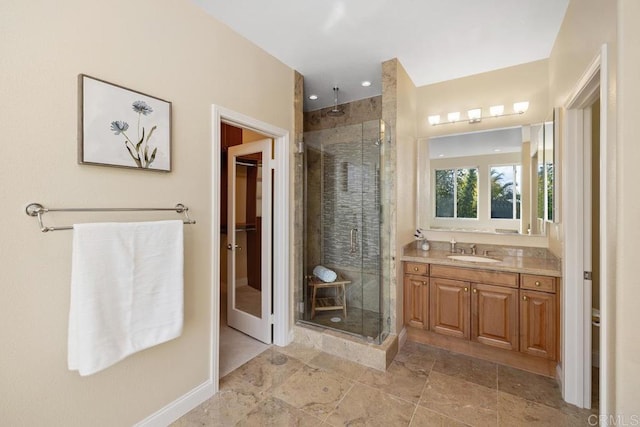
{"type": "Point", "coordinates": [358, 321]}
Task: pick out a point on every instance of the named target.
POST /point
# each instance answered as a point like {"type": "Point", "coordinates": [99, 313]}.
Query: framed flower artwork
{"type": "Point", "coordinates": [121, 127]}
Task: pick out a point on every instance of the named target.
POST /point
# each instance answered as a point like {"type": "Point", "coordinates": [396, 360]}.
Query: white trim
{"type": "Point", "coordinates": [282, 333]}
{"type": "Point", "coordinates": [576, 299]}
{"type": "Point", "coordinates": [179, 407]}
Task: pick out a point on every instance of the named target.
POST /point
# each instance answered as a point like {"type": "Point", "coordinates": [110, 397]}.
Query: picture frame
{"type": "Point", "coordinates": [121, 127]}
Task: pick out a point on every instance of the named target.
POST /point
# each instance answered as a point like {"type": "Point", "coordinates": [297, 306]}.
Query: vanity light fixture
{"type": "Point", "coordinates": [475, 114]}
{"type": "Point", "coordinates": [521, 107]}
{"type": "Point", "coordinates": [434, 120]}
{"type": "Point", "coordinates": [313, 97]}
{"type": "Point", "coordinates": [453, 117]}
{"type": "Point", "coordinates": [496, 110]}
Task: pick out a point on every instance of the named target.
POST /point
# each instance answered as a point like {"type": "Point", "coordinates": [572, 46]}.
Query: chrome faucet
{"type": "Point", "coordinates": [473, 249]}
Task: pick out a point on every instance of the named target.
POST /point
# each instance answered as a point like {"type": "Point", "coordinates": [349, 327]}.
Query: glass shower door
{"type": "Point", "coordinates": [342, 224]}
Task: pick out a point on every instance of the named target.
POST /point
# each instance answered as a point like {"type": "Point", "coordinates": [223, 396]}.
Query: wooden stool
{"type": "Point", "coordinates": [336, 302]}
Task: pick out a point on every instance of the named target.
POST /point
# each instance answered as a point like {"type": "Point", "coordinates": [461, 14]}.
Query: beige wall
{"type": "Point", "coordinates": [627, 315]}
{"type": "Point", "coordinates": [526, 82]}
{"type": "Point", "coordinates": [406, 153]}
{"type": "Point", "coordinates": [169, 49]}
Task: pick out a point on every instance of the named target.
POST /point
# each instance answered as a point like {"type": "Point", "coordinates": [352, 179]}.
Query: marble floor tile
{"type": "Point", "coordinates": [269, 369]}
{"type": "Point", "coordinates": [299, 351]}
{"type": "Point", "coordinates": [274, 412]}
{"type": "Point", "coordinates": [461, 400]}
{"type": "Point", "coordinates": [424, 417]}
{"type": "Point", "coordinates": [367, 406]}
{"type": "Point", "coordinates": [474, 370]}
{"type": "Point", "coordinates": [418, 357]}
{"type": "Point", "coordinates": [231, 404]}
{"type": "Point", "coordinates": [299, 386]}
{"type": "Point", "coordinates": [398, 380]}
{"type": "Point", "coordinates": [516, 411]}
{"type": "Point", "coordinates": [337, 365]}
{"type": "Point", "coordinates": [529, 386]}
{"type": "Point", "coordinates": [314, 391]}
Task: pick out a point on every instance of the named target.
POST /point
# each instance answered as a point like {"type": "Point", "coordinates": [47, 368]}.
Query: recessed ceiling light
{"type": "Point", "coordinates": [441, 155]}
{"type": "Point", "coordinates": [366, 83]}
{"type": "Point", "coordinates": [313, 97]}
{"type": "Point", "coordinates": [497, 150]}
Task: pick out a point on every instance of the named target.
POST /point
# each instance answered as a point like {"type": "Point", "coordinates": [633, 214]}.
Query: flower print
{"type": "Point", "coordinates": [142, 107]}
{"type": "Point", "coordinates": [117, 127]}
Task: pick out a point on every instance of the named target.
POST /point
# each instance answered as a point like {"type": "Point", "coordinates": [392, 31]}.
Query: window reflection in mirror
{"type": "Point", "coordinates": [487, 181]}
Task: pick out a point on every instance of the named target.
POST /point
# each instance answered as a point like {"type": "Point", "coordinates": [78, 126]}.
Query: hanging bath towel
{"type": "Point", "coordinates": [126, 291]}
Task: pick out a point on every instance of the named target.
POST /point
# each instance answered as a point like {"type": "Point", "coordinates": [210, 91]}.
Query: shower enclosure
{"type": "Point", "coordinates": [346, 229]}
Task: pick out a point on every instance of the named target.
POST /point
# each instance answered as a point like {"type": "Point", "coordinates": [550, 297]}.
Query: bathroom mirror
{"type": "Point", "coordinates": [493, 181]}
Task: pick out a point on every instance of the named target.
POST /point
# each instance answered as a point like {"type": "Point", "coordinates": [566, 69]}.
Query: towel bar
{"type": "Point", "coordinates": [36, 209]}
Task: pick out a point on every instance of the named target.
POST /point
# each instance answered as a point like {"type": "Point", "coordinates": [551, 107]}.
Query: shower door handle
{"type": "Point", "coordinates": [354, 240]}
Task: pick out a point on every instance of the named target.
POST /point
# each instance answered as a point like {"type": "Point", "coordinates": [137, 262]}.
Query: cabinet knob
{"type": "Point", "coordinates": [466, 289]}
{"type": "Point", "coordinates": [424, 283]}
{"type": "Point", "coordinates": [415, 268]}
{"type": "Point", "coordinates": [475, 291]}
{"type": "Point", "coordinates": [537, 283]}
{"type": "Point", "coordinates": [524, 298]}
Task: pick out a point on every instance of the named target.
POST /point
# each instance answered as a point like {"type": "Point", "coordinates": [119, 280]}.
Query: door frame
{"type": "Point", "coordinates": [282, 332]}
{"type": "Point", "coordinates": [576, 298]}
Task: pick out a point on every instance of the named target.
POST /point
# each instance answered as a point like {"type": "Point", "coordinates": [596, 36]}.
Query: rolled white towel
{"type": "Point", "coordinates": [325, 274]}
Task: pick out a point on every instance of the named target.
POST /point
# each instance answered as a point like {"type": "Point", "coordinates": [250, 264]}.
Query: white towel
{"type": "Point", "coordinates": [126, 291]}
{"type": "Point", "coordinates": [325, 274]}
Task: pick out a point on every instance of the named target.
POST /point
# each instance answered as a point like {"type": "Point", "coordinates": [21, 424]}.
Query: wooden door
{"type": "Point", "coordinates": [416, 301]}
{"type": "Point", "coordinates": [538, 324]}
{"type": "Point", "coordinates": [494, 316]}
{"type": "Point", "coordinates": [449, 307]}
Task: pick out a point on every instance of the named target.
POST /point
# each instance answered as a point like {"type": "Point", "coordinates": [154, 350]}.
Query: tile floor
{"type": "Point", "coordinates": [424, 386]}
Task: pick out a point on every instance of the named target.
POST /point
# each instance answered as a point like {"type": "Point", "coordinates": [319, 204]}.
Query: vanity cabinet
{"type": "Point", "coordinates": [506, 310]}
{"type": "Point", "coordinates": [449, 308]}
{"type": "Point", "coordinates": [416, 295]}
{"type": "Point", "coordinates": [494, 316]}
{"type": "Point", "coordinates": [538, 316]}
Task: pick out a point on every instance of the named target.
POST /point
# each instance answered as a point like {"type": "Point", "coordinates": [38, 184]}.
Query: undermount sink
{"type": "Point", "coordinates": [472, 258]}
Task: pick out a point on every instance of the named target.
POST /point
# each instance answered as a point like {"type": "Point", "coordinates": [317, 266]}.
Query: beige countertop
{"type": "Point", "coordinates": [545, 266]}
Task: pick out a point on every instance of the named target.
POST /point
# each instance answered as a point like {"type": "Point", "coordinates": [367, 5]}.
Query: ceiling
{"type": "Point", "coordinates": [343, 42]}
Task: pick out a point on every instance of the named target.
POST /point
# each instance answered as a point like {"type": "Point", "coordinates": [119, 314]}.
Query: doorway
{"type": "Point", "coordinates": [589, 241]}
{"type": "Point", "coordinates": [274, 304]}
{"type": "Point", "coordinates": [245, 253]}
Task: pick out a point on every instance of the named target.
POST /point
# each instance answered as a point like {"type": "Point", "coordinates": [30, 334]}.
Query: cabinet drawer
{"type": "Point", "coordinates": [416, 268]}
{"type": "Point", "coordinates": [475, 275]}
{"type": "Point", "coordinates": [538, 283]}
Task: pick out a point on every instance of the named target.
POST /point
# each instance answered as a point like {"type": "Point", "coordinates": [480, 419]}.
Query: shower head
{"type": "Point", "coordinates": [335, 111]}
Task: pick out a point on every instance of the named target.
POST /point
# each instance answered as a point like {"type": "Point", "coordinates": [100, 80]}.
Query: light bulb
{"type": "Point", "coordinates": [474, 115]}
{"type": "Point", "coordinates": [496, 110]}
{"type": "Point", "coordinates": [453, 117]}
{"type": "Point", "coordinates": [521, 107]}
{"type": "Point", "coordinates": [434, 120]}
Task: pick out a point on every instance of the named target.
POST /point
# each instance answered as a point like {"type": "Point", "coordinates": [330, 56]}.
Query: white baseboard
{"type": "Point", "coordinates": [179, 407]}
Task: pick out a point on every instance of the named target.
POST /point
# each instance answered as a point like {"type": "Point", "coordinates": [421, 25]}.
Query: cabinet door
{"type": "Point", "coordinates": [494, 316]}
{"type": "Point", "coordinates": [538, 324]}
{"type": "Point", "coordinates": [449, 307]}
{"type": "Point", "coordinates": [416, 301]}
